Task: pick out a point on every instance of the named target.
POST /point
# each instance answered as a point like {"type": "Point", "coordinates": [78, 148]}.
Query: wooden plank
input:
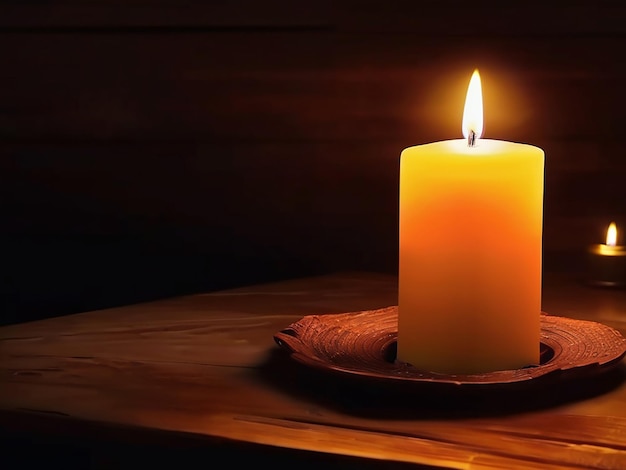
{"type": "Point", "coordinates": [313, 86]}
{"type": "Point", "coordinates": [454, 17]}
{"type": "Point", "coordinates": [297, 186]}
{"type": "Point", "coordinates": [451, 17]}
{"type": "Point", "coordinates": [205, 367]}
{"type": "Point", "coordinates": [139, 15]}
{"type": "Point", "coordinates": [208, 145]}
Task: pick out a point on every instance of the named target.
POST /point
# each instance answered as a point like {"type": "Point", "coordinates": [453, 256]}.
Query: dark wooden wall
{"type": "Point", "coordinates": [151, 148]}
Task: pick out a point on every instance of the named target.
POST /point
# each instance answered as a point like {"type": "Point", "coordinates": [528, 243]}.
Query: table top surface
{"type": "Point", "coordinates": [207, 367]}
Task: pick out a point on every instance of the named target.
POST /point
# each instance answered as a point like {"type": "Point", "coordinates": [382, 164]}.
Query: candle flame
{"type": "Point", "coordinates": [473, 111]}
{"type": "Point", "coordinates": [611, 235]}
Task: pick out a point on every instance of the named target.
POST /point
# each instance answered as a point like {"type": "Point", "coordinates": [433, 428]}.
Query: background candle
{"type": "Point", "coordinates": [607, 262]}
{"type": "Point", "coordinates": [470, 260]}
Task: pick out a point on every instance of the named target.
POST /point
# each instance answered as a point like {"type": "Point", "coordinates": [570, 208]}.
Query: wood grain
{"type": "Point", "coordinates": [362, 345]}
{"type": "Point", "coordinates": [204, 369]}
{"type": "Point", "coordinates": [235, 143]}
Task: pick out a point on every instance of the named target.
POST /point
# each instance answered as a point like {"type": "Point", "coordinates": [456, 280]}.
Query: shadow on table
{"type": "Point", "coordinates": [365, 397]}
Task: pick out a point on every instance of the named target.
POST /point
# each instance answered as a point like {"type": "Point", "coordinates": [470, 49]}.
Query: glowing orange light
{"type": "Point", "coordinates": [611, 235]}
{"type": "Point", "coordinates": [473, 111]}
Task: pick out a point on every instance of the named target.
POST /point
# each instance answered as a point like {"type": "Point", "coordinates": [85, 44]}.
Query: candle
{"type": "Point", "coordinates": [607, 262]}
{"type": "Point", "coordinates": [471, 213]}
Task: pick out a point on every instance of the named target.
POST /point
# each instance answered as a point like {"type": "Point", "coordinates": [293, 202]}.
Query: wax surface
{"type": "Point", "coordinates": [471, 223]}
{"type": "Point", "coordinates": [606, 265]}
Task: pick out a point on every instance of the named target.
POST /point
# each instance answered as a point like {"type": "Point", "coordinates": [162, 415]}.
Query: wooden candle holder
{"type": "Point", "coordinates": [363, 345]}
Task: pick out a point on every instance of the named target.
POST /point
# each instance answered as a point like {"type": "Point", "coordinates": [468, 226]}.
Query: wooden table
{"type": "Point", "coordinates": [200, 377]}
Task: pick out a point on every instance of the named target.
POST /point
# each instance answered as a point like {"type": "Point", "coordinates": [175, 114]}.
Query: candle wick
{"type": "Point", "coordinates": [471, 139]}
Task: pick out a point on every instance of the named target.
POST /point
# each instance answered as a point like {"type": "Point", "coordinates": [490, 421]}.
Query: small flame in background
{"type": "Point", "coordinates": [611, 235]}
{"type": "Point", "coordinates": [473, 111]}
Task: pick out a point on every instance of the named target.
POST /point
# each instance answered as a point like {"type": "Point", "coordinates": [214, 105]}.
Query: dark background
{"type": "Point", "coordinates": [156, 148]}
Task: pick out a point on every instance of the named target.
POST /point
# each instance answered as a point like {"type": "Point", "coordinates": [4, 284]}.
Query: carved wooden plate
{"type": "Point", "coordinates": [364, 344]}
